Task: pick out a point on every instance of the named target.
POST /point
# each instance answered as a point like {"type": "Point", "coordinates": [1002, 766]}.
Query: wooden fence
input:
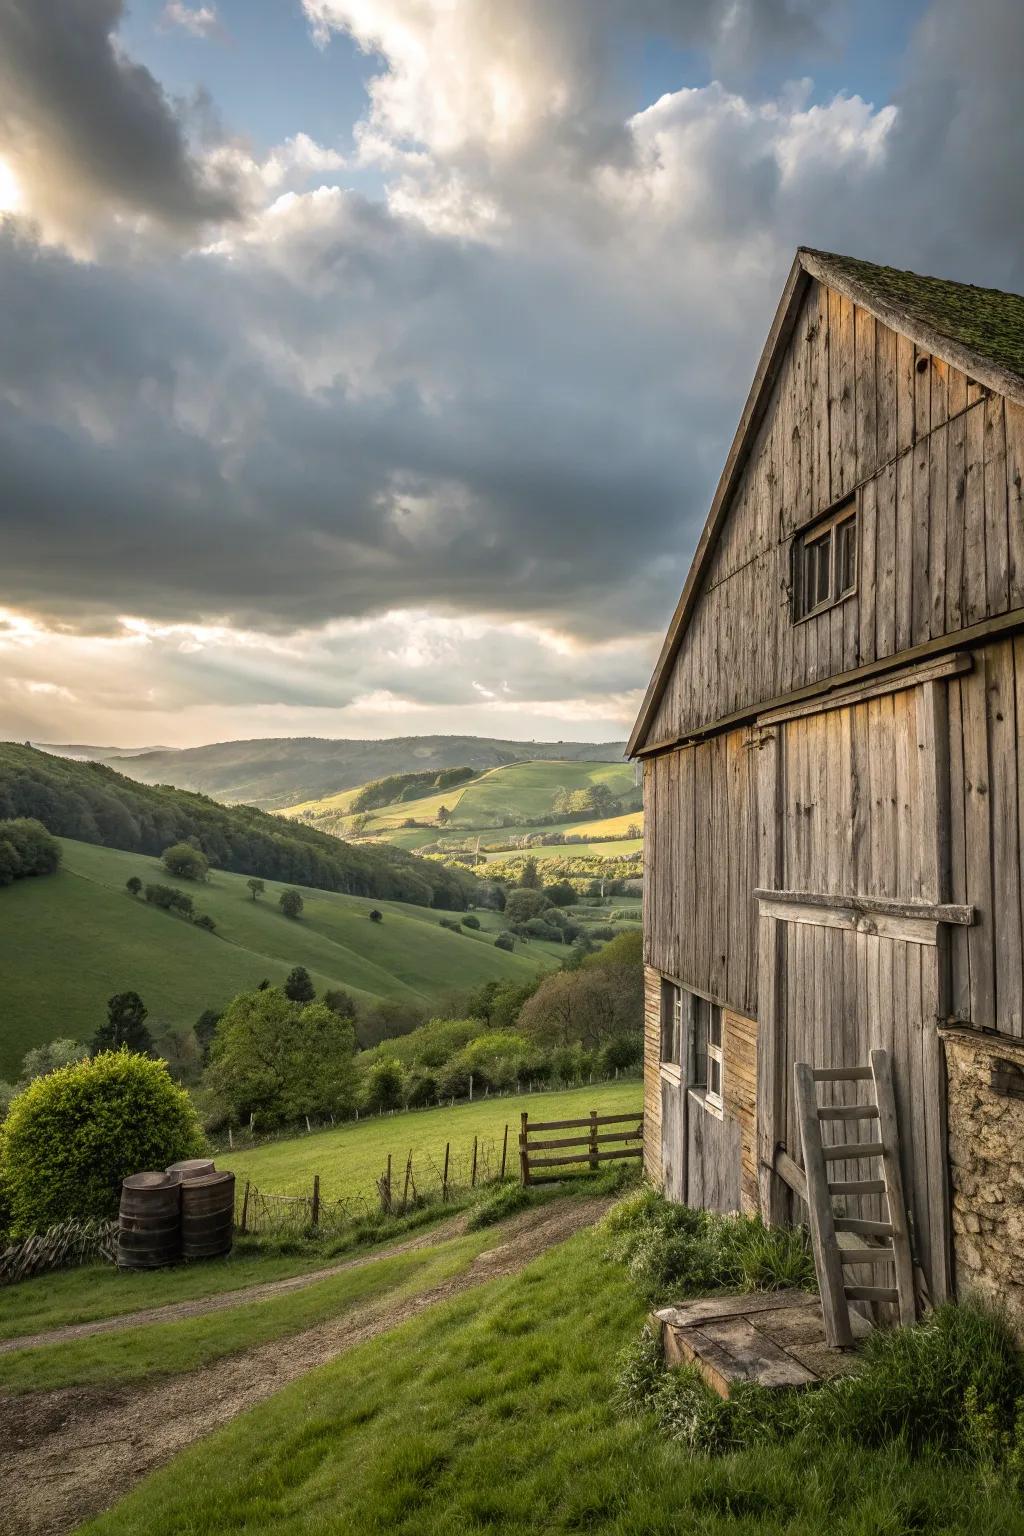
{"type": "Point", "coordinates": [402, 1186]}
{"type": "Point", "coordinates": [594, 1139]}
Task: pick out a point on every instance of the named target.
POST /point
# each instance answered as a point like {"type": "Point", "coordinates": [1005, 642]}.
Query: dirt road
{"type": "Point", "coordinates": [71, 1453]}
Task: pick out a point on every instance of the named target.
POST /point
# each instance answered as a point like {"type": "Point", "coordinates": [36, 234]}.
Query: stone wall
{"type": "Point", "coordinates": [986, 1165]}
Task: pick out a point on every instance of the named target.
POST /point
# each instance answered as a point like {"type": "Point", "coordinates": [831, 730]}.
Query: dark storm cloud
{"type": "Point", "coordinates": [86, 127]}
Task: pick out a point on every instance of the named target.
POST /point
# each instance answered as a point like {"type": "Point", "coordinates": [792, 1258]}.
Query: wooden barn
{"type": "Point", "coordinates": [833, 779]}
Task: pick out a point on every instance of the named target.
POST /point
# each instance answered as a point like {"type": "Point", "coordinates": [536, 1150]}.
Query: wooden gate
{"type": "Point", "coordinates": [854, 932]}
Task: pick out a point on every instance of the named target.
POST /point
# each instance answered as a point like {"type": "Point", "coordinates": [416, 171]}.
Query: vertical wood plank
{"type": "Point", "coordinates": [959, 957]}
{"type": "Point", "coordinates": [956, 491]}
{"type": "Point", "coordinates": [977, 837]}
{"type": "Point", "coordinates": [997, 555]}
{"type": "Point", "coordinates": [1001, 710]}
{"type": "Point", "coordinates": [904, 558]}
{"type": "Point", "coordinates": [1014, 425]}
{"type": "Point", "coordinates": [938, 481]}
{"type": "Point", "coordinates": [866, 393]}
{"type": "Point", "coordinates": [974, 578]}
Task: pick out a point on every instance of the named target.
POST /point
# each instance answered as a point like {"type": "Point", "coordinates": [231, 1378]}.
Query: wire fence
{"type": "Point", "coordinates": [403, 1185]}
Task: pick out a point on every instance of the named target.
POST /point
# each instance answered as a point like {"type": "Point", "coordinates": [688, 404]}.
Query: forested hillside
{"type": "Point", "coordinates": [273, 773]}
{"type": "Point", "coordinates": [94, 804]}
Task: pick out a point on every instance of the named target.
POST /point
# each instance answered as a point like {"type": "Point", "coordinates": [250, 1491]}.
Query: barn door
{"type": "Point", "coordinates": [853, 937]}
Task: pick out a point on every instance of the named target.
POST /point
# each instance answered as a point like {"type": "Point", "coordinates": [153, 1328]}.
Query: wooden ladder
{"type": "Point", "coordinates": [888, 1241]}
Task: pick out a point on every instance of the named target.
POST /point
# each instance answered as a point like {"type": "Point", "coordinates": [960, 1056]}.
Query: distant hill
{"type": "Point", "coordinates": [95, 804]}
{"type": "Point", "coordinates": [69, 941]}
{"type": "Point", "coordinates": [284, 771]}
{"type": "Point", "coordinates": [85, 753]}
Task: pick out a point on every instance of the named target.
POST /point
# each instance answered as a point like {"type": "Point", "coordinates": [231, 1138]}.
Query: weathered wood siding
{"type": "Point", "coordinates": [652, 1074]}
{"type": "Point", "coordinates": [986, 721]}
{"type": "Point", "coordinates": [713, 1160]}
{"type": "Point", "coordinates": [739, 1097]}
{"type": "Point", "coordinates": [700, 871]}
{"type": "Point", "coordinates": [936, 465]}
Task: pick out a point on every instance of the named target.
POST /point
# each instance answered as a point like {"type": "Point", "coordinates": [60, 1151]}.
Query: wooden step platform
{"type": "Point", "coordinates": [776, 1339]}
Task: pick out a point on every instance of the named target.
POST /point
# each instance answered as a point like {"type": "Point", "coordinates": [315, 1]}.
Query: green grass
{"type": "Point", "coordinates": [165, 1349]}
{"type": "Point", "coordinates": [546, 852]}
{"type": "Point", "coordinates": [69, 940]}
{"type": "Point", "coordinates": [351, 1157]}
{"type": "Point", "coordinates": [497, 1412]}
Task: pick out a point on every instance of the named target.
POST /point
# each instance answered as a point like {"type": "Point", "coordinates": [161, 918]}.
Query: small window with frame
{"type": "Point", "coordinates": [825, 562]}
{"type": "Point", "coordinates": [708, 1064]}
{"type": "Point", "coordinates": [671, 1023]}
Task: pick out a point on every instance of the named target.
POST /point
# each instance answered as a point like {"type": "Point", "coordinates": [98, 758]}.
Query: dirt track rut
{"type": "Point", "coordinates": [71, 1453]}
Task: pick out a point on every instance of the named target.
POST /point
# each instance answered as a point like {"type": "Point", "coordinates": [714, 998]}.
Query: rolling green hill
{"type": "Point", "coordinates": [274, 773]}
{"type": "Point", "coordinates": [68, 941]}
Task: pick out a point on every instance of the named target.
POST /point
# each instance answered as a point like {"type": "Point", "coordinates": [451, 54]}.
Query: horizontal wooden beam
{"type": "Point", "coordinates": [913, 930]}
{"type": "Point", "coordinates": [572, 1125]}
{"type": "Point", "coordinates": [887, 906]}
{"type": "Point", "coordinates": [874, 688]}
{"type": "Point", "coordinates": [584, 1157]}
{"type": "Point", "coordinates": [973, 634]}
{"type": "Point", "coordinates": [582, 1141]}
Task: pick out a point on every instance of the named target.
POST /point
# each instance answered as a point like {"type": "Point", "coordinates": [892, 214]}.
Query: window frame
{"type": "Point", "coordinates": [808, 538]}
{"type": "Point", "coordinates": [671, 1022]}
{"type": "Point", "coordinates": [690, 1022]}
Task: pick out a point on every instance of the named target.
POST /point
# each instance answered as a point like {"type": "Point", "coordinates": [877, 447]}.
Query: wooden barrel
{"type": "Point", "coordinates": [207, 1215]}
{"type": "Point", "coordinates": [149, 1222]}
{"type": "Point", "coordinates": [191, 1168]}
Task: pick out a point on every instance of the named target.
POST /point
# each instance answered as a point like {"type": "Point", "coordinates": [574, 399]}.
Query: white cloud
{"type": "Point", "coordinates": [197, 20]}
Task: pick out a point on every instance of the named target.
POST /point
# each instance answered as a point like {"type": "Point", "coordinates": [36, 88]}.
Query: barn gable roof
{"type": "Point", "coordinates": [978, 330]}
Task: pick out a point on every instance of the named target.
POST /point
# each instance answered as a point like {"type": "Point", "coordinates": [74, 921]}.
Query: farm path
{"type": "Point", "coordinates": [71, 1453]}
{"type": "Point", "coordinates": [177, 1311]}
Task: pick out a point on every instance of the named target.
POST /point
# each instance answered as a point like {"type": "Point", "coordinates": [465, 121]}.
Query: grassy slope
{"type": "Point", "coordinates": [70, 940]}
{"type": "Point", "coordinates": [543, 853]}
{"type": "Point", "coordinates": [351, 1157]}
{"type": "Point", "coordinates": [163, 1349]}
{"type": "Point", "coordinates": [497, 1412]}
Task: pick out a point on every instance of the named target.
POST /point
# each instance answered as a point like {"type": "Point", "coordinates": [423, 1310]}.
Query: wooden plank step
{"type": "Point", "coordinates": [857, 1187]}
{"type": "Point", "coordinates": [867, 1256]}
{"type": "Point", "coordinates": [704, 1309]}
{"type": "Point", "coordinates": [871, 1293]}
{"type": "Point", "coordinates": [841, 1074]}
{"type": "Point", "coordinates": [851, 1150]}
{"type": "Point", "coordinates": [730, 1350]}
{"type": "Point", "coordinates": [849, 1112]}
{"type": "Point", "coordinates": [862, 1227]}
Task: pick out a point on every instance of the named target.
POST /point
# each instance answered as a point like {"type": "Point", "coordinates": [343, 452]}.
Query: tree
{"type": "Point", "coordinates": [524, 903]}
{"type": "Point", "coordinates": [204, 920]}
{"type": "Point", "coordinates": [298, 987]}
{"type": "Point", "coordinates": [186, 862]}
{"type": "Point", "coordinates": [26, 848]}
{"type": "Point", "coordinates": [256, 887]}
{"type": "Point", "coordinates": [125, 1026]}
{"type": "Point", "coordinates": [48, 1058]}
{"type": "Point", "coordinates": [383, 1086]}
{"type": "Point", "coordinates": [376, 917]}
{"type": "Point", "coordinates": [291, 903]}
{"type": "Point", "coordinates": [530, 879]}
{"type": "Point", "coordinates": [505, 940]}
{"type": "Point", "coordinates": [277, 1060]}
{"type": "Point", "coordinates": [341, 1003]}
{"type": "Point", "coordinates": [561, 894]}
{"type": "Point", "coordinates": [72, 1136]}
{"type": "Point", "coordinates": [171, 899]}
{"type": "Point", "coordinates": [133, 885]}
{"type": "Point", "coordinates": [204, 1029]}
{"type": "Point", "coordinates": [444, 815]}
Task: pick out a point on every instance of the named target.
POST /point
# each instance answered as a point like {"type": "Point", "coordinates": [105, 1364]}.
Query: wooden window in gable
{"type": "Point", "coordinates": [825, 562]}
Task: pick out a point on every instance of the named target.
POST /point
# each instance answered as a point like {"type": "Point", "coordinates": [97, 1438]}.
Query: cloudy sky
{"type": "Point", "coordinates": [367, 365]}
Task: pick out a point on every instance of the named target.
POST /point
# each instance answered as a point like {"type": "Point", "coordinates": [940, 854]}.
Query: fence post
{"type": "Point", "coordinates": [385, 1196]}
{"type": "Point", "coordinates": [315, 1217]}
{"type": "Point", "coordinates": [245, 1207]}
{"type": "Point", "coordinates": [444, 1180]}
{"type": "Point", "coordinates": [504, 1152]}
{"type": "Point", "coordinates": [471, 1087]}
{"type": "Point", "coordinates": [524, 1156]}
{"type": "Point", "coordinates": [593, 1140]}
{"type": "Point", "coordinates": [231, 1139]}
{"type": "Point", "coordinates": [408, 1176]}
{"type": "Point", "coordinates": [472, 1182]}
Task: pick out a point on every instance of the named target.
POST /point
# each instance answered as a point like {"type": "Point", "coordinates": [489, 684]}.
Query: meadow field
{"type": "Point", "coordinates": [70, 940]}
{"type": "Point", "coordinates": [350, 1157]}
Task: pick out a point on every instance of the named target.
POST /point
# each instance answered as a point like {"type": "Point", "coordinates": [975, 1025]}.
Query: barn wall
{"type": "Point", "coordinates": [652, 1074]}
{"type": "Point", "coordinates": [739, 1097]}
{"type": "Point", "coordinates": [700, 851]}
{"type": "Point", "coordinates": [936, 465]}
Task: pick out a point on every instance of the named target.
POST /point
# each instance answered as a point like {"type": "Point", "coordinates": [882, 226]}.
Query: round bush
{"type": "Point", "coordinates": [471, 922]}
{"type": "Point", "coordinates": [72, 1136]}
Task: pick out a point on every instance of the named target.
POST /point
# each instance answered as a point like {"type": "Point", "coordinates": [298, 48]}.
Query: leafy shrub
{"type": "Point", "coordinates": [376, 917]}
{"type": "Point", "coordinates": [133, 885]}
{"type": "Point", "coordinates": [204, 920]}
{"type": "Point", "coordinates": [169, 898]}
{"type": "Point", "coordinates": [505, 940]}
{"type": "Point", "coordinates": [505, 1201]}
{"type": "Point", "coordinates": [537, 928]}
{"type": "Point", "coordinates": [469, 921]}
{"type": "Point", "coordinates": [384, 1087]}
{"type": "Point", "coordinates": [186, 862]}
{"type": "Point", "coordinates": [451, 923]}
{"type": "Point", "coordinates": [521, 905]}
{"type": "Point", "coordinates": [71, 1137]}
{"type": "Point", "coordinates": [291, 903]}
{"type": "Point", "coordinates": [26, 848]}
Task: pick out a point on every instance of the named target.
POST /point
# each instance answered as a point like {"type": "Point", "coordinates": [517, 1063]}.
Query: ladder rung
{"type": "Point", "coordinates": [866, 1256]}
{"type": "Point", "coordinates": [871, 1293]}
{"type": "Point", "coordinates": [841, 1074]}
{"type": "Point", "coordinates": [849, 1112]}
{"type": "Point", "coordinates": [858, 1187]}
{"type": "Point", "coordinates": [862, 1227]}
{"type": "Point", "coordinates": [851, 1150]}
